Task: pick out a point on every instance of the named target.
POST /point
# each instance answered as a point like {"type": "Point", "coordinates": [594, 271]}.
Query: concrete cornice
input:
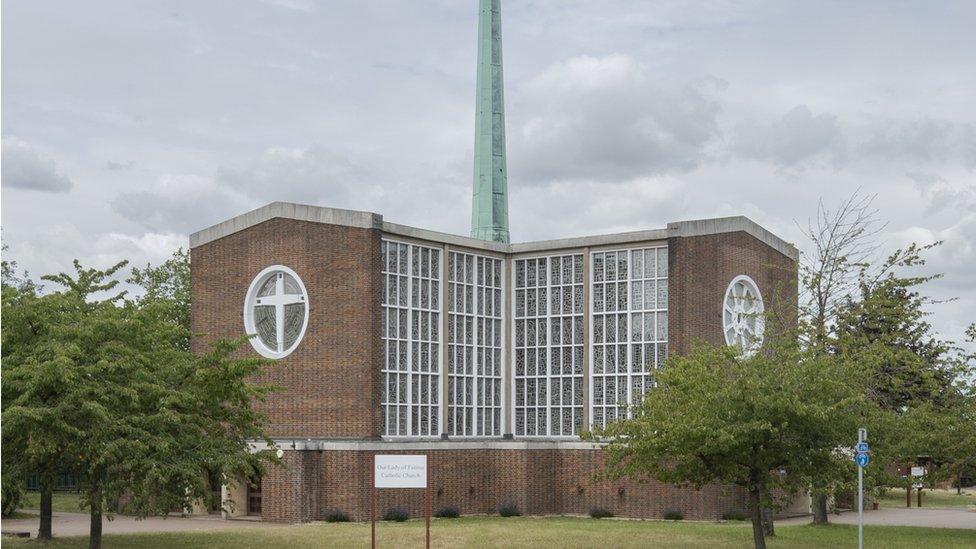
{"type": "Point", "coordinates": [719, 225]}
{"type": "Point", "coordinates": [589, 241]}
{"type": "Point", "coordinates": [368, 220]}
{"type": "Point", "coordinates": [397, 445]}
{"type": "Point", "coordinates": [445, 238]}
{"type": "Point", "coordinates": [287, 210]}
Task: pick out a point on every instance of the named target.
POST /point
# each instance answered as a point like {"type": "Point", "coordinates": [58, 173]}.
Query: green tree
{"type": "Point", "coordinates": [917, 381]}
{"type": "Point", "coordinates": [137, 412]}
{"type": "Point", "coordinates": [166, 289]}
{"type": "Point", "coordinates": [841, 244]}
{"type": "Point", "coordinates": [34, 446]}
{"type": "Point", "coordinates": [942, 430]}
{"type": "Point", "coordinates": [766, 423]}
{"type": "Point", "coordinates": [885, 327]}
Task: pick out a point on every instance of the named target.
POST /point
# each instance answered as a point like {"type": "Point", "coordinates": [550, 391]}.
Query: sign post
{"type": "Point", "coordinates": [398, 471]}
{"type": "Point", "coordinates": [918, 472]}
{"type": "Point", "coordinates": [862, 459]}
{"type": "Point", "coordinates": [372, 509]}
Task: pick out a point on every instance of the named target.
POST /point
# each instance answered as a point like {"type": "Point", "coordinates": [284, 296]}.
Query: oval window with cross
{"type": "Point", "coordinates": [276, 309]}
{"type": "Point", "coordinates": [742, 315]}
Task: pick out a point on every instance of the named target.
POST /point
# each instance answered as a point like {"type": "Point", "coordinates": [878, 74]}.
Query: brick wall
{"type": "Point", "coordinates": [699, 271]}
{"type": "Point", "coordinates": [290, 492]}
{"type": "Point", "coordinates": [478, 481]}
{"type": "Point", "coordinates": [331, 381]}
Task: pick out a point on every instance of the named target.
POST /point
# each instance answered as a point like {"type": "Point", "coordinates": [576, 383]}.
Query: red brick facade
{"type": "Point", "coordinates": [331, 382]}
{"type": "Point", "coordinates": [699, 272]}
{"type": "Point", "coordinates": [478, 481]}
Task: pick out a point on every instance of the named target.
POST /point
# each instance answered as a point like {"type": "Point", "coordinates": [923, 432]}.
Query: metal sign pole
{"type": "Point", "coordinates": [860, 508]}
{"type": "Point", "coordinates": [372, 505]}
{"type": "Point", "coordinates": [399, 471]}
{"type": "Point", "coordinates": [862, 435]}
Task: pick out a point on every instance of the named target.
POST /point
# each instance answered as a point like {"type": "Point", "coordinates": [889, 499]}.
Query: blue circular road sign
{"type": "Point", "coordinates": [862, 459]}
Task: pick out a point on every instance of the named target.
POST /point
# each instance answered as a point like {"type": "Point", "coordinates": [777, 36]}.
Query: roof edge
{"type": "Point", "coordinates": [590, 241]}
{"type": "Point", "coordinates": [287, 210]}
{"type": "Point", "coordinates": [369, 220]}
{"type": "Point", "coordinates": [445, 238]}
{"type": "Point", "coordinates": [719, 225]}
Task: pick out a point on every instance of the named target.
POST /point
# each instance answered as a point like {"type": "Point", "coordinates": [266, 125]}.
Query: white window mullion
{"type": "Point", "coordinates": [473, 404]}
{"type": "Point", "coordinates": [410, 321]}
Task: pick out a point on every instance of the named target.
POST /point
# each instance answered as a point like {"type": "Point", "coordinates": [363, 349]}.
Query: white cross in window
{"type": "Point", "coordinates": [279, 299]}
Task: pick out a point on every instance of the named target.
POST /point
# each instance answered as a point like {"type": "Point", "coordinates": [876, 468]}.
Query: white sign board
{"type": "Point", "coordinates": [918, 471]}
{"type": "Point", "coordinates": [400, 471]}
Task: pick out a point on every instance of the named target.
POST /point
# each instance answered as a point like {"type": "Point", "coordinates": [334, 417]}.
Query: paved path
{"type": "Point", "coordinates": [77, 524]}
{"type": "Point", "coordinates": [935, 518]}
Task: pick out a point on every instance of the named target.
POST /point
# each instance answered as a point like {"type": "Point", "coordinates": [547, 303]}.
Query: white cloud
{"type": "Point", "coordinates": [796, 138]}
{"type": "Point", "coordinates": [955, 258]}
{"type": "Point", "coordinates": [25, 168]}
{"type": "Point", "coordinates": [53, 248]}
{"type": "Point", "coordinates": [305, 175]}
{"type": "Point", "coordinates": [298, 5]}
{"type": "Point", "coordinates": [179, 203]}
{"type": "Point", "coordinates": [921, 141]}
{"type": "Point", "coordinates": [607, 118]}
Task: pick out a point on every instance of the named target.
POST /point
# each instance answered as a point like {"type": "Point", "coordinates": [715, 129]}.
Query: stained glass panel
{"type": "Point", "coordinates": [548, 345]}
{"type": "Point", "coordinates": [622, 355]}
{"type": "Point", "coordinates": [476, 312]}
{"type": "Point", "coordinates": [411, 361]}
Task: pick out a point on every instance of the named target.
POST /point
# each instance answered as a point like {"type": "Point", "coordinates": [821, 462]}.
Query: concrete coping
{"type": "Point", "coordinates": [368, 220]}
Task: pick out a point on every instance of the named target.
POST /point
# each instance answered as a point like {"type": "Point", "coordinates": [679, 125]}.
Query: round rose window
{"type": "Point", "coordinates": [742, 315]}
{"type": "Point", "coordinates": [276, 309]}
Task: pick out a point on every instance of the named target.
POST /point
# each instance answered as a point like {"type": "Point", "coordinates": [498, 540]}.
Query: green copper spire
{"type": "Point", "coordinates": [489, 206]}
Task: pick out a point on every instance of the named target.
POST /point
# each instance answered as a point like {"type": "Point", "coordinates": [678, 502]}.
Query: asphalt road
{"type": "Point", "coordinates": [933, 518]}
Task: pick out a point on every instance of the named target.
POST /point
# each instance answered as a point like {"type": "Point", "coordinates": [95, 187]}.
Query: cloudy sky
{"type": "Point", "coordinates": [129, 124]}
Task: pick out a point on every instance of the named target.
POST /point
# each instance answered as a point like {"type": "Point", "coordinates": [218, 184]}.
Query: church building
{"type": "Point", "coordinates": [489, 356]}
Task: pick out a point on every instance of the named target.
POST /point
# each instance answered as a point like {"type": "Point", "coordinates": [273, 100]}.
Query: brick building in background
{"type": "Point", "coordinates": [489, 357]}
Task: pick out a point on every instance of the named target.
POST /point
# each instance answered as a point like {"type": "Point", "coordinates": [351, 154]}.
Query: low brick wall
{"type": "Point", "coordinates": [478, 481]}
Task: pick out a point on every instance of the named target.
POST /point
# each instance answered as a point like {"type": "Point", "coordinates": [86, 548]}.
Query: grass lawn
{"type": "Point", "coordinates": [65, 502]}
{"type": "Point", "coordinates": [930, 498]}
{"type": "Point", "coordinates": [530, 532]}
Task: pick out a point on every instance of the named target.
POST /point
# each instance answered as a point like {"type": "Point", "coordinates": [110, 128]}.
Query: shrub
{"type": "Point", "coordinates": [735, 514]}
{"type": "Point", "coordinates": [336, 515]}
{"type": "Point", "coordinates": [396, 514]}
{"type": "Point", "coordinates": [600, 512]}
{"type": "Point", "coordinates": [673, 514]}
{"type": "Point", "coordinates": [12, 494]}
{"type": "Point", "coordinates": [448, 512]}
{"type": "Point", "coordinates": [509, 510]}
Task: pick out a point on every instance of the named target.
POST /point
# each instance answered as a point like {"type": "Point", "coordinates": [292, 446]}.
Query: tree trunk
{"type": "Point", "coordinates": [95, 532]}
{"type": "Point", "coordinates": [908, 496]}
{"type": "Point", "coordinates": [767, 515]}
{"type": "Point", "coordinates": [959, 485]}
{"type": "Point", "coordinates": [755, 510]}
{"type": "Point", "coordinates": [47, 497]}
{"type": "Point", "coordinates": [820, 508]}
{"type": "Point", "coordinates": [767, 520]}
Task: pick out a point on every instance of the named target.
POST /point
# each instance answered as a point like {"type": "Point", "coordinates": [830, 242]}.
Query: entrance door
{"type": "Point", "coordinates": [216, 494]}
{"type": "Point", "coordinates": [254, 499]}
